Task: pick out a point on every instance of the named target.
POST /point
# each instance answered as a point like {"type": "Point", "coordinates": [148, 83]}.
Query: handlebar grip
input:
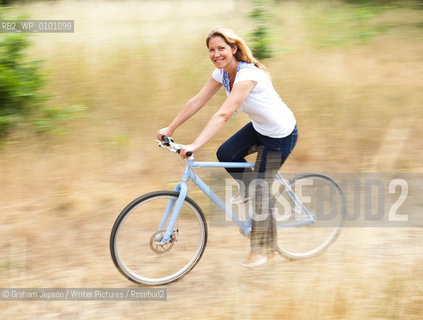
{"type": "Point", "coordinates": [165, 140]}
{"type": "Point", "coordinates": [189, 153]}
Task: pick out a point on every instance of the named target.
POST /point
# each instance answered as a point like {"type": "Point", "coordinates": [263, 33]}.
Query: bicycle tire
{"type": "Point", "coordinates": [131, 241]}
{"type": "Point", "coordinates": [300, 242]}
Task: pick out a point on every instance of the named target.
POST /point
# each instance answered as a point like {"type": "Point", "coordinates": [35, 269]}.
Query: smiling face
{"type": "Point", "coordinates": [221, 54]}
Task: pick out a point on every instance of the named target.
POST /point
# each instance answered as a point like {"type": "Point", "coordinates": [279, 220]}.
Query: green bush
{"type": "Point", "coordinates": [20, 82]}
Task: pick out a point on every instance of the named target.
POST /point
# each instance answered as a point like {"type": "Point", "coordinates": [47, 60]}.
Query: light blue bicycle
{"type": "Point", "coordinates": [159, 237]}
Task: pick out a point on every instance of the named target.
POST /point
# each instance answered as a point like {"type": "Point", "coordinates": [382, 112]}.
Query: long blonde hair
{"type": "Point", "coordinates": [243, 53]}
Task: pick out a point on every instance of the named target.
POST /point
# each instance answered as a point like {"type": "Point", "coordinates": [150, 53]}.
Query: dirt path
{"type": "Point", "coordinates": [367, 273]}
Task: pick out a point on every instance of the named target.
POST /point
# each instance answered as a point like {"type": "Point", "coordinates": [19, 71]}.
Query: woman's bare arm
{"type": "Point", "coordinates": [192, 106]}
{"type": "Point", "coordinates": [237, 96]}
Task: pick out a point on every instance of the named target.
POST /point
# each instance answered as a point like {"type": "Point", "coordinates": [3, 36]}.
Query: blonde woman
{"type": "Point", "coordinates": [272, 132]}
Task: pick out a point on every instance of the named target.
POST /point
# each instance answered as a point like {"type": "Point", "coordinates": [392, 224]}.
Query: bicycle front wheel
{"type": "Point", "coordinates": [314, 222]}
{"type": "Point", "coordinates": [135, 239]}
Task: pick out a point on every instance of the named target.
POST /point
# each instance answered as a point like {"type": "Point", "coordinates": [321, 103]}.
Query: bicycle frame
{"type": "Point", "coordinates": [189, 174]}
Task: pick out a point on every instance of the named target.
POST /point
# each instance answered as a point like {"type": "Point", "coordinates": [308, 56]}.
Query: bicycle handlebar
{"type": "Point", "coordinates": [168, 141]}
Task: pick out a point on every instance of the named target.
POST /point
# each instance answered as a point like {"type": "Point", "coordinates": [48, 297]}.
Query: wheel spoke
{"type": "Point", "coordinates": [322, 208]}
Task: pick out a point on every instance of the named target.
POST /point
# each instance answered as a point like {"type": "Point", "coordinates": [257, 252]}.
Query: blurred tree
{"type": "Point", "coordinates": [20, 82]}
{"type": "Point", "coordinates": [260, 37]}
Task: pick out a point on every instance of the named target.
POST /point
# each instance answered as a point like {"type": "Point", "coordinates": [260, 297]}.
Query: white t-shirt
{"type": "Point", "coordinates": [269, 115]}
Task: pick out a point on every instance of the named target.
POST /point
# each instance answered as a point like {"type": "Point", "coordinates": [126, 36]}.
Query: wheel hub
{"type": "Point", "coordinates": [157, 246]}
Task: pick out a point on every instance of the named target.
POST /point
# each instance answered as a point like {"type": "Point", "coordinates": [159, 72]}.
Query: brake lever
{"type": "Point", "coordinates": [161, 144]}
{"type": "Point", "coordinates": [167, 146]}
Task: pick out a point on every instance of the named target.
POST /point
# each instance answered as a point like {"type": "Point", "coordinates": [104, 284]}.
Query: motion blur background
{"type": "Point", "coordinates": [350, 70]}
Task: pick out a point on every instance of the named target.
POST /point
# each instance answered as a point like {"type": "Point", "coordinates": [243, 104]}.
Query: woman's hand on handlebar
{"type": "Point", "coordinates": [164, 132]}
{"type": "Point", "coordinates": [187, 148]}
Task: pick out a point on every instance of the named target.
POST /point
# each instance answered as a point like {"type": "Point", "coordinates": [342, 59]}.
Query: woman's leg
{"type": "Point", "coordinates": [235, 149]}
{"type": "Point", "coordinates": [271, 156]}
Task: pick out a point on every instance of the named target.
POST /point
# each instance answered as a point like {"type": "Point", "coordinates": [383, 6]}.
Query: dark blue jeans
{"type": "Point", "coordinates": [271, 154]}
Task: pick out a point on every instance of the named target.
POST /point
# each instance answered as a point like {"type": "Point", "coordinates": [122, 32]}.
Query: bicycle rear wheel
{"type": "Point", "coordinates": [135, 239]}
{"type": "Point", "coordinates": [323, 199]}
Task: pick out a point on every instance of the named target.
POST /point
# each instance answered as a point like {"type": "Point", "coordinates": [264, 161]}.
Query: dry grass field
{"type": "Point", "coordinates": [353, 77]}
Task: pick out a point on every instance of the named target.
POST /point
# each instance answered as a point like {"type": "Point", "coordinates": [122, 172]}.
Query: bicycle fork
{"type": "Point", "coordinates": [182, 188]}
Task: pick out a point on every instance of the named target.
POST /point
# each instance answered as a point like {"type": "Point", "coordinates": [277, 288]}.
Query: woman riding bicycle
{"type": "Point", "coordinates": [272, 132]}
